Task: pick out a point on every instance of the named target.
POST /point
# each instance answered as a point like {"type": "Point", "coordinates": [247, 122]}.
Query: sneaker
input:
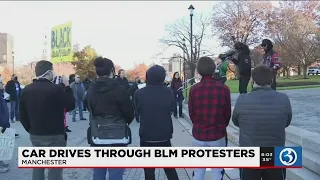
{"type": "Point", "coordinates": [83, 119]}
{"type": "Point", "coordinates": [16, 135]}
{"type": "Point", "coordinates": [3, 169]}
{"type": "Point", "coordinates": [67, 129]}
{"type": "Point", "coordinates": [3, 164]}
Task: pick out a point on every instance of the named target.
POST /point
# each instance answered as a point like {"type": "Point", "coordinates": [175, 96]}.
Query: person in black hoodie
{"type": "Point", "coordinates": [154, 104]}
{"type": "Point", "coordinates": [122, 80]}
{"type": "Point", "coordinates": [243, 61]}
{"type": "Point", "coordinates": [109, 102]}
{"type": "Point", "coordinates": [133, 90]}
{"type": "Point", "coordinates": [13, 88]}
{"type": "Point", "coordinates": [42, 107]}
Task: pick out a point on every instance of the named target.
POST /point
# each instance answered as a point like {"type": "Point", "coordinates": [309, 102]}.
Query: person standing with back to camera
{"type": "Point", "coordinates": [109, 106]}
{"type": "Point", "coordinates": [243, 61]}
{"type": "Point", "coordinates": [271, 59]}
{"type": "Point", "coordinates": [42, 107]}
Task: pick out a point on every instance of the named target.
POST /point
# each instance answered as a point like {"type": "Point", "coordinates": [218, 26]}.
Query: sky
{"type": "Point", "coordinates": [126, 32]}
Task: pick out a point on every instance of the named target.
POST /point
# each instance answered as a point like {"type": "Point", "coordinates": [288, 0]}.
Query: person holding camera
{"type": "Point", "coordinates": [243, 61]}
{"type": "Point", "coordinates": [42, 107]}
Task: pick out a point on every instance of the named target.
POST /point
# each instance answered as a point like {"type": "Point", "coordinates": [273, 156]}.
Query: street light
{"type": "Point", "coordinates": [184, 65]}
{"type": "Point", "coordinates": [12, 62]}
{"type": "Point", "coordinates": [191, 8]}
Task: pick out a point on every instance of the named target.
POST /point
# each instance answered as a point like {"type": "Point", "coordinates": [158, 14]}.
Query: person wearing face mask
{"type": "Point", "coordinates": [42, 106]}
{"type": "Point", "coordinates": [13, 88]}
{"type": "Point", "coordinates": [271, 59]}
{"type": "Point", "coordinates": [79, 92]}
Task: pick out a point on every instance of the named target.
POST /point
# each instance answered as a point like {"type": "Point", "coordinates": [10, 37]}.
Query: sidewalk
{"type": "Point", "coordinates": [78, 138]}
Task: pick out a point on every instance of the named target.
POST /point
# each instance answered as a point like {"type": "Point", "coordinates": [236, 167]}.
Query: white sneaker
{"type": "Point", "coordinates": [3, 169]}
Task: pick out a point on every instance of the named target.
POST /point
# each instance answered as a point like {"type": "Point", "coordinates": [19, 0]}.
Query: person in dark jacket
{"type": "Point", "coordinates": [133, 90]}
{"type": "Point", "coordinates": [13, 88]}
{"type": "Point", "coordinates": [262, 117]}
{"type": "Point", "coordinates": [210, 112]}
{"type": "Point", "coordinates": [72, 78]}
{"type": "Point", "coordinates": [86, 84]}
{"type": "Point", "coordinates": [243, 61]}
{"type": "Point", "coordinates": [154, 104]}
{"type": "Point", "coordinates": [271, 59]}
{"type": "Point", "coordinates": [79, 93]}
{"type": "Point", "coordinates": [122, 80]}
{"type": "Point", "coordinates": [42, 107]}
{"type": "Point", "coordinates": [4, 124]}
{"type": "Point", "coordinates": [176, 86]}
{"type": "Point", "coordinates": [108, 99]}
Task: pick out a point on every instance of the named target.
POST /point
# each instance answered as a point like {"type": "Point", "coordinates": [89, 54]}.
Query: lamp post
{"type": "Point", "coordinates": [12, 62]}
{"type": "Point", "coordinates": [191, 8]}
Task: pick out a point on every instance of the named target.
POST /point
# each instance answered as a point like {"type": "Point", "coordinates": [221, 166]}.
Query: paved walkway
{"type": "Point", "coordinates": [78, 138]}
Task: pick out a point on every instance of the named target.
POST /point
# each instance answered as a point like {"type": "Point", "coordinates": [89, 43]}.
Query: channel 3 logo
{"type": "Point", "coordinates": [288, 156]}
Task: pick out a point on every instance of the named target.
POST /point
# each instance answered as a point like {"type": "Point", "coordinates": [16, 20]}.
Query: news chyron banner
{"type": "Point", "coordinates": [158, 157]}
{"type": "Point", "coordinates": [61, 43]}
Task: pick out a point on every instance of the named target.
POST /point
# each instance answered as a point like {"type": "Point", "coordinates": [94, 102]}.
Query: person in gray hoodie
{"type": "Point", "coordinates": [262, 117]}
{"type": "Point", "coordinates": [79, 92]}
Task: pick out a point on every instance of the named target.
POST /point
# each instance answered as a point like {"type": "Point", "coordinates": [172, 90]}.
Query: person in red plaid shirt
{"type": "Point", "coordinates": [210, 112]}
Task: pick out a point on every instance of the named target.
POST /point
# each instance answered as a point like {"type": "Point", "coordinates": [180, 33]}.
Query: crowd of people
{"type": "Point", "coordinates": [113, 104]}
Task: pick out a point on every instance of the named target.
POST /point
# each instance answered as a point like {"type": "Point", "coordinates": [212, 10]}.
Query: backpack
{"type": "Point", "coordinates": [107, 130]}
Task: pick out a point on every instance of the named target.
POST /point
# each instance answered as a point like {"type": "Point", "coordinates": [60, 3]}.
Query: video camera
{"type": "Point", "coordinates": [227, 55]}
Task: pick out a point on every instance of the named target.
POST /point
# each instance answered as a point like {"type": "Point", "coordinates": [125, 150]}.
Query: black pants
{"type": "Point", "coordinates": [85, 105]}
{"type": "Point", "coordinates": [171, 173]}
{"type": "Point", "coordinates": [177, 102]}
{"type": "Point", "coordinates": [265, 174]}
{"type": "Point", "coordinates": [223, 80]}
{"type": "Point", "coordinates": [274, 83]}
{"type": "Point", "coordinates": [243, 83]}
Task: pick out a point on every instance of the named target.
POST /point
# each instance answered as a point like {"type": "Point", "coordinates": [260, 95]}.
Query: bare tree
{"type": "Point", "coordinates": [179, 36]}
{"type": "Point", "coordinates": [297, 35]}
{"type": "Point", "coordinates": [246, 21]}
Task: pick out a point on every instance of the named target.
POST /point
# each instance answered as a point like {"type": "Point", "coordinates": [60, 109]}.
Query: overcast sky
{"type": "Point", "coordinates": [126, 32]}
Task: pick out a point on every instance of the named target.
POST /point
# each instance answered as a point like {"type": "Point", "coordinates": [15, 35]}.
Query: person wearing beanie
{"type": "Point", "coordinates": [271, 59]}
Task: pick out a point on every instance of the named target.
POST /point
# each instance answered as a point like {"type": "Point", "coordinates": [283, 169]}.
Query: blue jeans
{"type": "Point", "coordinates": [79, 106]}
{"type": "Point", "coordinates": [217, 173]}
{"type": "Point", "coordinates": [114, 173]}
{"type": "Point", "coordinates": [14, 110]}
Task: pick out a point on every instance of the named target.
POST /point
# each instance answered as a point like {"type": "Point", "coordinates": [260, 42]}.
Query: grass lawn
{"type": "Point", "coordinates": [233, 84]}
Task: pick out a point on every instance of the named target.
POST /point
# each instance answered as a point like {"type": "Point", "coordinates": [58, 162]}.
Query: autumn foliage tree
{"type": "Point", "coordinates": [139, 71]}
{"type": "Point", "coordinates": [6, 75]}
{"type": "Point", "coordinates": [296, 34]}
{"type": "Point", "coordinates": [83, 62]}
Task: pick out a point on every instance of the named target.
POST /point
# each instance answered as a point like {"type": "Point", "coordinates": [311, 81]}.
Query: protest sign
{"type": "Point", "coordinates": [7, 144]}
{"type": "Point", "coordinates": [61, 43]}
